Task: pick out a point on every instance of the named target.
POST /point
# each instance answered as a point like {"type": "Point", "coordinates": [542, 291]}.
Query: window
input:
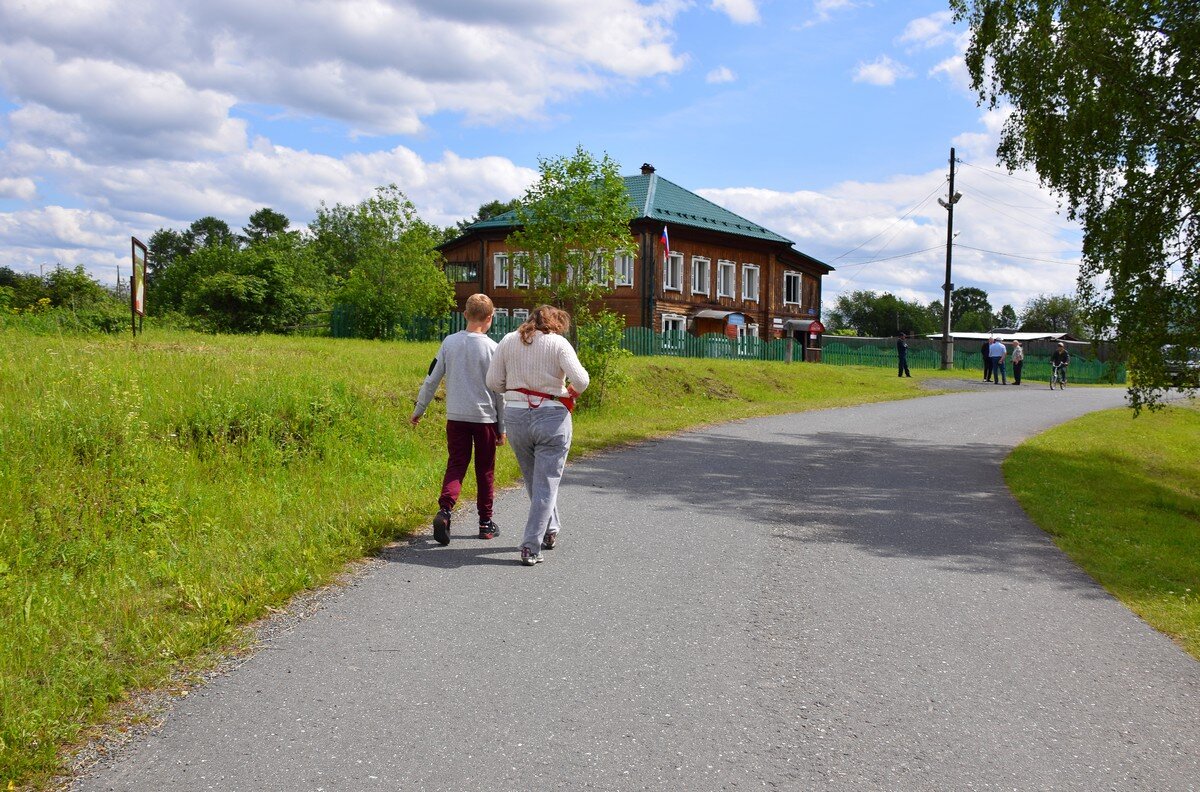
{"type": "Point", "coordinates": [500, 267]}
{"type": "Point", "coordinates": [750, 282]}
{"type": "Point", "coordinates": [520, 315]}
{"type": "Point", "coordinates": [674, 327]}
{"type": "Point", "coordinates": [624, 269]}
{"type": "Point", "coordinates": [747, 339]}
{"type": "Point", "coordinates": [673, 273]}
{"type": "Point", "coordinates": [543, 275]}
{"type": "Point", "coordinates": [521, 270]}
{"type": "Point", "coordinates": [502, 312]}
{"type": "Point", "coordinates": [791, 288]}
{"type": "Point", "coordinates": [726, 273]}
{"type": "Point", "coordinates": [700, 270]}
{"type": "Point", "coordinates": [600, 271]}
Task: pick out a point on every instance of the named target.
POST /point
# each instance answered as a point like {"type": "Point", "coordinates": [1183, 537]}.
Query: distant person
{"type": "Point", "coordinates": [902, 355]}
{"type": "Point", "coordinates": [996, 353]}
{"type": "Point", "coordinates": [474, 416]}
{"type": "Point", "coordinates": [1060, 357]}
{"type": "Point", "coordinates": [985, 352]}
{"type": "Point", "coordinates": [540, 375]}
{"type": "Point", "coordinates": [1018, 361]}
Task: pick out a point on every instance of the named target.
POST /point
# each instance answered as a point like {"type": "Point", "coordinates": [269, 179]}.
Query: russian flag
{"type": "Point", "coordinates": [666, 244]}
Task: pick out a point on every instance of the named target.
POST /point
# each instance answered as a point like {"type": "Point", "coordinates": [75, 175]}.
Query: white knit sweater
{"type": "Point", "coordinates": [543, 365]}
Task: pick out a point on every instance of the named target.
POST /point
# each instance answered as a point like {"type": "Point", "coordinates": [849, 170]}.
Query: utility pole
{"type": "Point", "coordinates": [948, 287]}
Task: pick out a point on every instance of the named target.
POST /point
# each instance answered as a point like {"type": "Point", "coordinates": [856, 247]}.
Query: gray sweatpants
{"type": "Point", "coordinates": [540, 438]}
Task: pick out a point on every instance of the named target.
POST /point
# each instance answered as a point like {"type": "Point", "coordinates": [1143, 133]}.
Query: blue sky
{"type": "Point", "coordinates": [829, 121]}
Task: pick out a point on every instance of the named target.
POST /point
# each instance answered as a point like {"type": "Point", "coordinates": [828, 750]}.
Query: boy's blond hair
{"type": "Point", "coordinates": [478, 308]}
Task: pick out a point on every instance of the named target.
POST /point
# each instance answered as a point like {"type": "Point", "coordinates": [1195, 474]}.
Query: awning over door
{"type": "Point", "coordinates": [710, 313]}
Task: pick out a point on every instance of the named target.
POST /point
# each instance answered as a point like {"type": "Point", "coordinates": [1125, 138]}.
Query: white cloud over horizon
{"type": "Point", "coordinates": [720, 75]}
{"type": "Point", "coordinates": [882, 71]}
{"type": "Point", "coordinates": [743, 12]}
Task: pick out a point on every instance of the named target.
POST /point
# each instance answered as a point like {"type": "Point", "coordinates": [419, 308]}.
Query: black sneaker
{"type": "Point", "coordinates": [549, 540]}
{"type": "Point", "coordinates": [529, 558]}
{"type": "Point", "coordinates": [488, 530]}
{"type": "Point", "coordinates": [441, 527]}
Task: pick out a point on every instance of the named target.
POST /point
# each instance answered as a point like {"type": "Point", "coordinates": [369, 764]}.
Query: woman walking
{"type": "Point", "coordinates": [540, 375]}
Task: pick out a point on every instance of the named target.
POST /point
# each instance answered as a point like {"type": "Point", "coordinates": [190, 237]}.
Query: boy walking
{"type": "Point", "coordinates": [474, 416]}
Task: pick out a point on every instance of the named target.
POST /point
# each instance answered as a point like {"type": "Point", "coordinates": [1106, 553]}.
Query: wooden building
{"type": "Point", "coordinates": [722, 274]}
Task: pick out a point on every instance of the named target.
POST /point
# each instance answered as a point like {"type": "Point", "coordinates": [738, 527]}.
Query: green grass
{"type": "Point", "coordinates": [1121, 496]}
{"type": "Point", "coordinates": [156, 495]}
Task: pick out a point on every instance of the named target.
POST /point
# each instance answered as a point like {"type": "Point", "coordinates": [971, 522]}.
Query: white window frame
{"type": "Point", "coordinates": [701, 271]}
{"type": "Point", "coordinates": [600, 273]}
{"type": "Point", "coordinates": [726, 270]}
{"type": "Point", "coordinates": [746, 270]}
{"type": "Point", "coordinates": [500, 311]}
{"type": "Point", "coordinates": [798, 278]}
{"type": "Point", "coordinates": [623, 267]}
{"type": "Point", "coordinates": [543, 277]}
{"type": "Point", "coordinates": [520, 270]}
{"type": "Point", "coordinates": [675, 259]}
{"type": "Point", "coordinates": [672, 341]}
{"type": "Point", "coordinates": [520, 314]}
{"type": "Point", "coordinates": [500, 270]}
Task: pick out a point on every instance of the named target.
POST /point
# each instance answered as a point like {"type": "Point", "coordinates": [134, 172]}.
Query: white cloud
{"type": "Point", "coordinates": [881, 71]}
{"type": "Point", "coordinates": [721, 74]}
{"type": "Point", "coordinates": [164, 193]}
{"type": "Point", "coordinates": [929, 31]}
{"type": "Point", "coordinates": [743, 12]}
{"type": "Point", "coordinates": [379, 66]}
{"type": "Point", "coordinates": [823, 10]}
{"type": "Point", "coordinates": [20, 188]}
{"type": "Point", "coordinates": [866, 230]}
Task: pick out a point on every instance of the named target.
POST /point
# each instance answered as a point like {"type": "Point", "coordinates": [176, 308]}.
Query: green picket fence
{"type": "Point", "coordinates": [926, 355]}
{"type": "Point", "coordinates": [641, 341]}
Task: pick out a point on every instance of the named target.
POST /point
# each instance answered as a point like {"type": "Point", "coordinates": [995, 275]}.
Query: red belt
{"type": "Point", "coordinates": [567, 401]}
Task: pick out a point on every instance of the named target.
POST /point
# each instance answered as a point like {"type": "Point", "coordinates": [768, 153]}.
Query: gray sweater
{"type": "Point", "coordinates": [463, 360]}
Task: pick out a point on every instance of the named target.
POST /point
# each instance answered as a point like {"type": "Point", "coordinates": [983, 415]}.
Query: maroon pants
{"type": "Point", "coordinates": [460, 437]}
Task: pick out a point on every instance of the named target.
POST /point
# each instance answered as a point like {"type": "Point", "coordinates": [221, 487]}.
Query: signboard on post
{"type": "Point", "coordinates": [137, 282]}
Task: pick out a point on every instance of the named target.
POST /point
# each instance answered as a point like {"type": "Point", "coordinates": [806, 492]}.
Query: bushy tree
{"type": "Point", "coordinates": [1106, 108]}
{"type": "Point", "coordinates": [268, 287]}
{"type": "Point", "coordinates": [1054, 313]}
{"type": "Point", "coordinates": [572, 222]}
{"type": "Point", "coordinates": [881, 315]}
{"type": "Point", "coordinates": [971, 310]}
{"type": "Point", "coordinates": [265, 224]}
{"type": "Point", "coordinates": [1007, 317]}
{"type": "Point", "coordinates": [383, 257]}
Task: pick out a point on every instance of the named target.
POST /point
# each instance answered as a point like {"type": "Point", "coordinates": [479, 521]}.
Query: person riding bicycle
{"type": "Point", "coordinates": [1061, 359]}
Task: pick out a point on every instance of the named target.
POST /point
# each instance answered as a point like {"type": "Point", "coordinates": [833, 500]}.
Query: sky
{"type": "Point", "coordinates": [827, 121]}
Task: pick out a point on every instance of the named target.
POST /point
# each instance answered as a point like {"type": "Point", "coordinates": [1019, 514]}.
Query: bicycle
{"type": "Point", "coordinates": [1059, 375]}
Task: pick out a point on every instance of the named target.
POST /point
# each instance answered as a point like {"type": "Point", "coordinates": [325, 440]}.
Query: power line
{"type": "Point", "coordinates": [897, 220]}
{"type": "Point", "coordinates": [1013, 255]}
{"type": "Point", "coordinates": [898, 256]}
{"type": "Point", "coordinates": [995, 174]}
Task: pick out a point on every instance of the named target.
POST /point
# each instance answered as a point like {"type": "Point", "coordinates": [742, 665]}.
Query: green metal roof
{"type": "Point", "coordinates": [656, 198]}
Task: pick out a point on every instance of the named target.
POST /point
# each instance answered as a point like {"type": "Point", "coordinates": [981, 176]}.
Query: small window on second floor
{"type": "Point", "coordinates": [521, 270]}
{"type": "Point", "coordinates": [750, 282]}
{"type": "Point", "coordinates": [791, 288]}
{"type": "Point", "coordinates": [673, 273]}
{"type": "Point", "coordinates": [700, 275]}
{"type": "Point", "coordinates": [726, 275]}
{"type": "Point", "coordinates": [624, 269]}
{"type": "Point", "coordinates": [500, 269]}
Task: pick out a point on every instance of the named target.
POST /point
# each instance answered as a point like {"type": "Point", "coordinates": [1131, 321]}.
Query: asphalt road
{"type": "Point", "coordinates": [845, 599]}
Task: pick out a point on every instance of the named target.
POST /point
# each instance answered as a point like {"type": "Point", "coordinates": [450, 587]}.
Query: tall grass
{"type": "Point", "coordinates": [156, 494]}
{"type": "Point", "coordinates": [1121, 496]}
